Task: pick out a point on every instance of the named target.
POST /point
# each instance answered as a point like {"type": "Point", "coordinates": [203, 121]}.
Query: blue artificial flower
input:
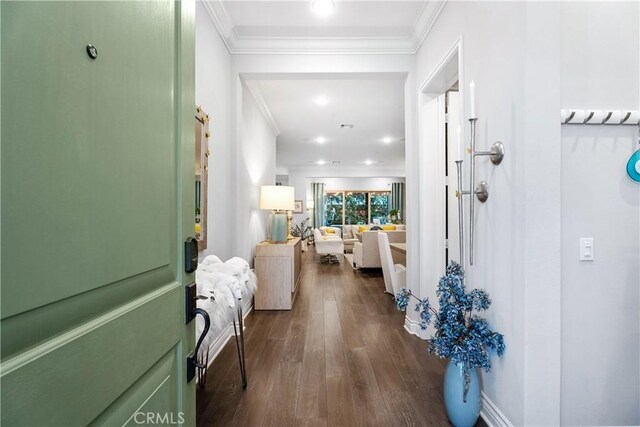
{"type": "Point", "coordinates": [402, 299]}
{"type": "Point", "coordinates": [480, 299]}
{"type": "Point", "coordinates": [424, 308]}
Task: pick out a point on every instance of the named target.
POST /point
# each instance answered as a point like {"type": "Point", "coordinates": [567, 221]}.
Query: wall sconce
{"type": "Point", "coordinates": [481, 191]}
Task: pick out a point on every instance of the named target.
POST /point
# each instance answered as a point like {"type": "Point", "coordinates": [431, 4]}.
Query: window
{"type": "Point", "coordinates": [356, 207]}
{"type": "Point", "coordinates": [379, 205]}
{"type": "Point", "coordinates": [334, 208]}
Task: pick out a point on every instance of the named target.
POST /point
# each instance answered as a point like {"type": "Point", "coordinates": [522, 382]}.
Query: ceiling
{"type": "Point", "coordinates": [375, 108]}
{"type": "Point", "coordinates": [392, 26]}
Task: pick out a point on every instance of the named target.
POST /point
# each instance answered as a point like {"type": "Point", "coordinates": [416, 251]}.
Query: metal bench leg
{"type": "Point", "coordinates": [240, 345]}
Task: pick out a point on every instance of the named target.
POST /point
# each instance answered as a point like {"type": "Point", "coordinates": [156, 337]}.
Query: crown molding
{"type": "Point", "coordinates": [427, 20]}
{"type": "Point", "coordinates": [323, 45]}
{"type": "Point", "coordinates": [254, 89]}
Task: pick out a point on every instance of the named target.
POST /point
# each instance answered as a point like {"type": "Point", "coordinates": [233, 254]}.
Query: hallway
{"type": "Point", "coordinates": [340, 357]}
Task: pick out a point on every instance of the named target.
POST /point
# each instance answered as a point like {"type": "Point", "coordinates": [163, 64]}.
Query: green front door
{"type": "Point", "coordinates": [97, 198]}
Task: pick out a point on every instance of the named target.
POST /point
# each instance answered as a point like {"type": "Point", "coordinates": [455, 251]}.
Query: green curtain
{"type": "Point", "coordinates": [318, 204]}
{"type": "Point", "coordinates": [397, 198]}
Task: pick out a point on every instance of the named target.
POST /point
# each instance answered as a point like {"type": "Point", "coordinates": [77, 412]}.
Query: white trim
{"type": "Point", "coordinates": [254, 89]}
{"type": "Point", "coordinates": [455, 49]}
{"type": "Point", "coordinates": [490, 413]}
{"type": "Point", "coordinates": [323, 45]}
{"type": "Point", "coordinates": [413, 327]}
{"type": "Point", "coordinates": [221, 27]}
{"type": "Point", "coordinates": [427, 20]}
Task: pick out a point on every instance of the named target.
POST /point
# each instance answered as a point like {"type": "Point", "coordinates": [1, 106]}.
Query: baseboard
{"type": "Point", "coordinates": [216, 345]}
{"type": "Point", "coordinates": [413, 327]}
{"type": "Point", "coordinates": [491, 414]}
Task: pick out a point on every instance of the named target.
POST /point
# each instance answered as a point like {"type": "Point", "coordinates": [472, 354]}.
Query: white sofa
{"type": "Point", "coordinates": [366, 254]}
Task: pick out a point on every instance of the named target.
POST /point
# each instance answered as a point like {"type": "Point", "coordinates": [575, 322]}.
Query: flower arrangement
{"type": "Point", "coordinates": [460, 335]}
{"type": "Point", "coordinates": [304, 230]}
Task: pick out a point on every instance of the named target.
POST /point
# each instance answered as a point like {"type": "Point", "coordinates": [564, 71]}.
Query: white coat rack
{"type": "Point", "coordinates": [600, 117]}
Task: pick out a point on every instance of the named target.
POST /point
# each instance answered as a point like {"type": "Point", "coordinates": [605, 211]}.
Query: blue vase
{"type": "Point", "coordinates": [461, 413]}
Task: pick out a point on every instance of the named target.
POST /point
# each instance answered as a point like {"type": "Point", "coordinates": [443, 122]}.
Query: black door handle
{"type": "Point", "coordinates": [192, 361]}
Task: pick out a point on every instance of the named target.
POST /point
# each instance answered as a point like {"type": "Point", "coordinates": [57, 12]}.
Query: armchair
{"type": "Point", "coordinates": [366, 253]}
{"type": "Point", "coordinates": [328, 247]}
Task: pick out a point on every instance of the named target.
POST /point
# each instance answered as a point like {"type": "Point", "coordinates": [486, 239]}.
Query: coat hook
{"type": "Point", "coordinates": [589, 117]}
{"type": "Point", "coordinates": [626, 117]}
{"type": "Point", "coordinates": [573, 113]}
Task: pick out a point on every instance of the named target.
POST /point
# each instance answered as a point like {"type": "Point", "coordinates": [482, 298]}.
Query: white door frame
{"type": "Point", "coordinates": [431, 172]}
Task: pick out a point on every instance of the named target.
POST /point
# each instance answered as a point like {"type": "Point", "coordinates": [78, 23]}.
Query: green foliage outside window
{"type": "Point", "coordinates": [356, 207]}
{"type": "Point", "coordinates": [379, 205]}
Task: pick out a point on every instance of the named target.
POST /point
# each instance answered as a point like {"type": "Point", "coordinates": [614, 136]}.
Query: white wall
{"type": "Point", "coordinates": [213, 93]}
{"type": "Point", "coordinates": [600, 299]}
{"type": "Point", "coordinates": [256, 155]}
{"type": "Point", "coordinates": [564, 362]}
{"type": "Point", "coordinates": [517, 230]}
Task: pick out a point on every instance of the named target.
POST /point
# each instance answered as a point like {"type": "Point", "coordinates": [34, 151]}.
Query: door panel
{"type": "Point", "coordinates": [90, 132]}
{"type": "Point", "coordinates": [85, 369]}
{"type": "Point", "coordinates": [156, 390]}
{"type": "Point", "coordinates": [96, 158]}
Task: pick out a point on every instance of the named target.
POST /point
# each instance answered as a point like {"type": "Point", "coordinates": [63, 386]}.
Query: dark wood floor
{"type": "Point", "coordinates": [340, 357]}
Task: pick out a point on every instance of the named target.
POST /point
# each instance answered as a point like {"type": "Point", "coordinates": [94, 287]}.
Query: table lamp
{"type": "Point", "coordinates": [278, 199]}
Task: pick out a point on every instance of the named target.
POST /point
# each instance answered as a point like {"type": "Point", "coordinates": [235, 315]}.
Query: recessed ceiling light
{"type": "Point", "coordinates": [368, 162]}
{"type": "Point", "coordinates": [387, 139]}
{"type": "Point", "coordinates": [321, 162]}
{"type": "Point", "coordinates": [322, 100]}
{"type": "Point", "coordinates": [321, 140]}
{"type": "Point", "coordinates": [323, 7]}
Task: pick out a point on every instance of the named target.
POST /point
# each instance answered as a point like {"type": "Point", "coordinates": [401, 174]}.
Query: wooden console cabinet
{"type": "Point", "coordinates": [278, 267]}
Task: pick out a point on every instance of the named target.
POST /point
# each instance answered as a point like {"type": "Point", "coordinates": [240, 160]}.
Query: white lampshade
{"type": "Point", "coordinates": [277, 198]}
{"type": "Point", "coordinates": [310, 204]}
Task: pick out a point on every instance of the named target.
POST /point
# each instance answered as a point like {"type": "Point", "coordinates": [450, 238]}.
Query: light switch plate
{"type": "Point", "coordinates": [586, 249]}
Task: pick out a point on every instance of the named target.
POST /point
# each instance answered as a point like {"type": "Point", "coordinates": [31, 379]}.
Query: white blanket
{"type": "Point", "coordinates": [226, 284]}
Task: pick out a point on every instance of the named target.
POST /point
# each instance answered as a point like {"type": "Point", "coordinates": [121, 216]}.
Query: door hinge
{"type": "Point", "coordinates": [446, 243]}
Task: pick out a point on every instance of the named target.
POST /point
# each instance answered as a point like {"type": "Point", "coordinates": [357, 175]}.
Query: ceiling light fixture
{"type": "Point", "coordinates": [321, 140]}
{"type": "Point", "coordinates": [322, 100]}
{"type": "Point", "coordinates": [323, 7]}
{"type": "Point", "coordinates": [321, 162]}
{"type": "Point", "coordinates": [387, 140]}
{"type": "Point", "coordinates": [368, 162]}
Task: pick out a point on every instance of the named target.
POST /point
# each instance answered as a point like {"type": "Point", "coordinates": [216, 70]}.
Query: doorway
{"type": "Point", "coordinates": [440, 107]}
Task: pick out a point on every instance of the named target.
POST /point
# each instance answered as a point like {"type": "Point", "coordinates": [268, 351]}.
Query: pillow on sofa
{"type": "Point", "coordinates": [389, 227]}
{"type": "Point", "coordinates": [330, 230]}
{"type": "Point", "coordinates": [363, 228]}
